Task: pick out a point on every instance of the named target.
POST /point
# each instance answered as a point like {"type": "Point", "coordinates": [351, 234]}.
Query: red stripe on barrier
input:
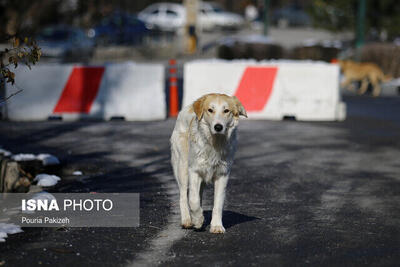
{"type": "Point", "coordinates": [80, 91]}
{"type": "Point", "coordinates": [255, 87]}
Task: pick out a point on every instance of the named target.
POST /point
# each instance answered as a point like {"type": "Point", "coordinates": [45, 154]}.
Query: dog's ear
{"type": "Point", "coordinates": [239, 106]}
{"type": "Point", "coordinates": [198, 107]}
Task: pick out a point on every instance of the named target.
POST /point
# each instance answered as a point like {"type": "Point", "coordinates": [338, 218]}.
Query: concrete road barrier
{"type": "Point", "coordinates": [305, 90]}
{"type": "Point", "coordinates": [126, 90]}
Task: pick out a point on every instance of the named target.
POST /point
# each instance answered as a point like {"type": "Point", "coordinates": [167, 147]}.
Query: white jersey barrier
{"type": "Point", "coordinates": [308, 91]}
{"type": "Point", "coordinates": [128, 90]}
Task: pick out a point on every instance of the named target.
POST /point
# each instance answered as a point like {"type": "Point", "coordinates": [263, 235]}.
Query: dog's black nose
{"type": "Point", "coordinates": [218, 127]}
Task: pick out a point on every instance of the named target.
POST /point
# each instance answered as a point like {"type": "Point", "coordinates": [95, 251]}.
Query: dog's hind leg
{"type": "Point", "coordinates": [363, 87]}
{"type": "Point", "coordinates": [194, 199]}
{"type": "Point", "coordinates": [179, 154]}
{"type": "Point", "coordinates": [183, 181]}
{"type": "Point", "coordinates": [377, 88]}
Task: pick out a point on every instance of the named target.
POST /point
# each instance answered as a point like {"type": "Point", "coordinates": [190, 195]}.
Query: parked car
{"type": "Point", "coordinates": [212, 16]}
{"type": "Point", "coordinates": [172, 17]}
{"type": "Point", "coordinates": [164, 16]}
{"type": "Point", "coordinates": [120, 28]}
{"type": "Point", "coordinates": [65, 43]}
{"type": "Point", "coordinates": [290, 16]}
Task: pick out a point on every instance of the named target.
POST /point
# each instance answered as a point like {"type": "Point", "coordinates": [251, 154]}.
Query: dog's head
{"type": "Point", "coordinates": [219, 111]}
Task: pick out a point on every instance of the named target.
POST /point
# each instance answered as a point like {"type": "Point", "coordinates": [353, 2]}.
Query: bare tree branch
{"type": "Point", "coordinates": [8, 97]}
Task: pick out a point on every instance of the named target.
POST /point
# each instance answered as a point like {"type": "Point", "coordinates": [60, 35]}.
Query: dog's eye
{"type": "Point", "coordinates": [210, 110]}
{"type": "Point", "coordinates": [226, 110]}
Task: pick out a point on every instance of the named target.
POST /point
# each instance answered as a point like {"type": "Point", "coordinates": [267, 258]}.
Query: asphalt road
{"type": "Point", "coordinates": [300, 194]}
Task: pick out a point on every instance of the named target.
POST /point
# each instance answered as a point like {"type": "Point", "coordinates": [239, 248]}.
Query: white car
{"type": "Point", "coordinates": [172, 17]}
{"type": "Point", "coordinates": [213, 16]}
{"type": "Point", "coordinates": [164, 16]}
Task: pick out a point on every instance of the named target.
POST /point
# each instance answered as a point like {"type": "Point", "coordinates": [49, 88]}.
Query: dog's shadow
{"type": "Point", "coordinates": [229, 219]}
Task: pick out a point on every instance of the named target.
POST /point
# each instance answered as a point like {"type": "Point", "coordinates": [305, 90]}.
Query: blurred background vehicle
{"type": "Point", "coordinates": [212, 16]}
{"type": "Point", "coordinates": [172, 17]}
{"type": "Point", "coordinates": [120, 28]}
{"type": "Point", "coordinates": [64, 43]}
{"type": "Point", "coordinates": [294, 29]}
{"type": "Point", "coordinates": [290, 16]}
{"type": "Point", "coordinates": [164, 16]}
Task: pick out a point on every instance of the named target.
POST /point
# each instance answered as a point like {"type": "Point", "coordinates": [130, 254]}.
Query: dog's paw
{"type": "Point", "coordinates": [186, 224]}
{"type": "Point", "coordinates": [217, 229]}
{"type": "Point", "coordinates": [198, 222]}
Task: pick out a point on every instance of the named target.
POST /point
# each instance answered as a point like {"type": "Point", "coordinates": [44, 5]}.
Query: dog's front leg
{"type": "Point", "coordinates": [346, 84]}
{"type": "Point", "coordinates": [194, 199]}
{"type": "Point", "coordinates": [219, 197]}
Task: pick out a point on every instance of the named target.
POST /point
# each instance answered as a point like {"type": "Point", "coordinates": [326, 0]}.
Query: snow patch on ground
{"type": "Point", "coordinates": [253, 61]}
{"type": "Point", "coordinates": [46, 179]}
{"type": "Point", "coordinates": [23, 157]}
{"type": "Point", "coordinates": [255, 39]}
{"type": "Point", "coordinates": [5, 153]}
{"type": "Point", "coordinates": [47, 159]}
{"type": "Point", "coordinates": [7, 229]}
{"type": "Point", "coordinates": [325, 43]}
{"type": "Point", "coordinates": [250, 39]}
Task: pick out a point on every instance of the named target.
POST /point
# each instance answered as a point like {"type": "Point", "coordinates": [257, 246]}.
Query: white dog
{"type": "Point", "coordinates": [203, 145]}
